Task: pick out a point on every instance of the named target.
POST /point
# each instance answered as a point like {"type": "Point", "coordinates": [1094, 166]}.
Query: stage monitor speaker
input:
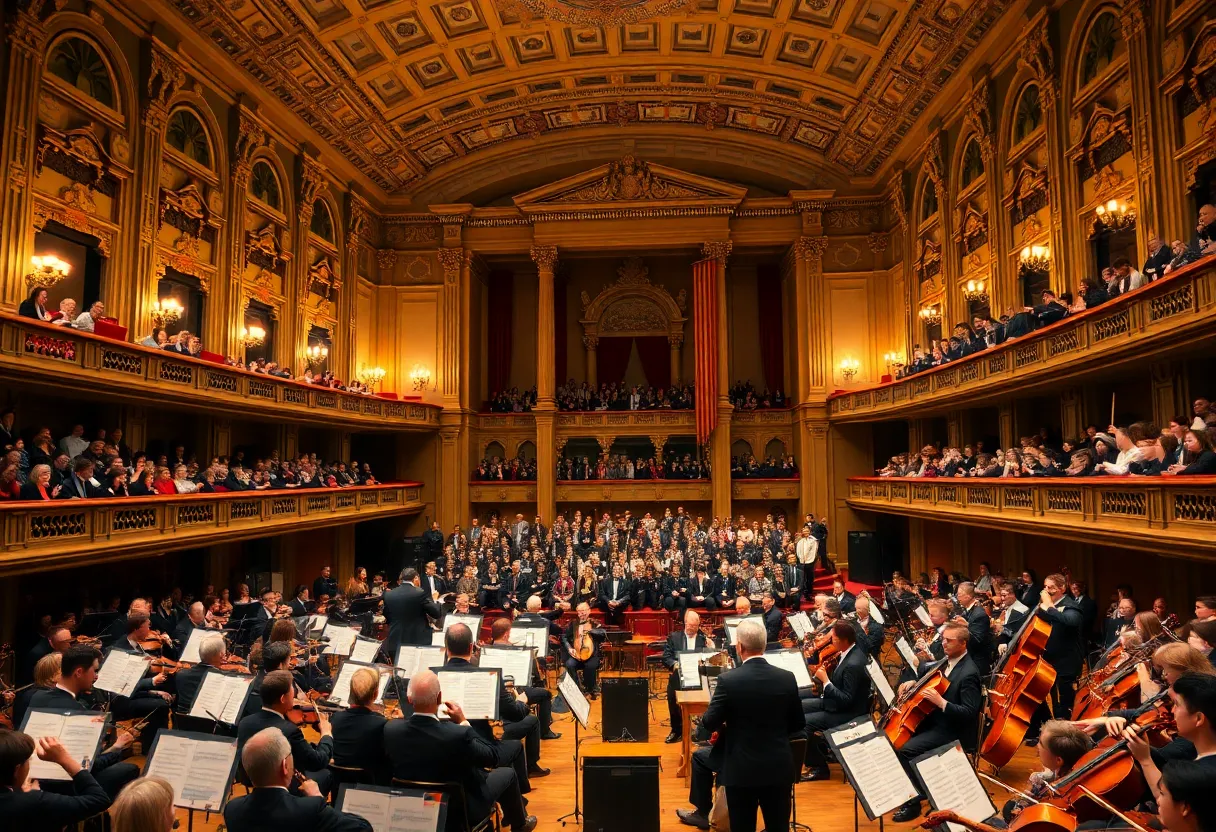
{"type": "Point", "coordinates": [620, 794]}
{"type": "Point", "coordinates": [412, 553]}
{"type": "Point", "coordinates": [626, 708]}
{"type": "Point", "coordinates": [869, 561]}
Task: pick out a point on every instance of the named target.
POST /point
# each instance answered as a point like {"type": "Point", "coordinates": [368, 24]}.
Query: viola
{"type": "Point", "coordinates": [302, 714]}
{"type": "Point", "coordinates": [1023, 680]}
{"type": "Point", "coordinates": [909, 711]}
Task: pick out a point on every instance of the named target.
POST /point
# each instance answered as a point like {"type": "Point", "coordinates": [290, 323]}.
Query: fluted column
{"type": "Point", "coordinates": [452, 261]}
{"type": "Point", "coordinates": [811, 250]}
{"type": "Point", "coordinates": [291, 339]}
{"type": "Point", "coordinates": [26, 49]}
{"type": "Point", "coordinates": [675, 341]}
{"type": "Point", "coordinates": [719, 440]}
{"type": "Point", "coordinates": [591, 344]}
{"type": "Point", "coordinates": [222, 329]}
{"type": "Point", "coordinates": [358, 227]}
{"type": "Point", "coordinates": [545, 411]}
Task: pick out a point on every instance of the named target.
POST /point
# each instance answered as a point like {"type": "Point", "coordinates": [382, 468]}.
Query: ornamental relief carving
{"type": "Point", "coordinates": [629, 179]}
{"type": "Point", "coordinates": [632, 317]}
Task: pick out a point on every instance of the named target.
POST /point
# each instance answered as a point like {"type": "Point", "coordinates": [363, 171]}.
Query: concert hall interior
{"type": "Point", "coordinates": [558, 337]}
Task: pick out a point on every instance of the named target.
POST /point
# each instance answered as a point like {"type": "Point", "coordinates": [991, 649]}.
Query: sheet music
{"type": "Point", "coordinates": [80, 734]}
{"type": "Point", "coordinates": [190, 651]}
{"type": "Point", "coordinates": [793, 661]}
{"type": "Point", "coordinates": [121, 672]}
{"type": "Point", "coordinates": [901, 645]}
{"type": "Point", "coordinates": [473, 622]}
{"type": "Point", "coordinates": [516, 664]}
{"type": "Point", "coordinates": [1019, 607]}
{"type": "Point", "coordinates": [923, 615]}
{"type": "Point", "coordinates": [875, 613]}
{"type": "Point", "coordinates": [221, 696]}
{"type": "Point", "coordinates": [475, 691]}
{"type": "Point", "coordinates": [568, 687]}
{"type": "Point", "coordinates": [410, 657]}
{"type": "Point", "coordinates": [874, 769]}
{"type": "Point", "coordinates": [526, 636]}
{"type": "Point", "coordinates": [341, 689]}
{"type": "Point", "coordinates": [437, 638]}
{"type": "Point", "coordinates": [801, 625]}
{"type": "Point", "coordinates": [341, 640]}
{"type": "Point", "coordinates": [732, 625]}
{"type": "Point", "coordinates": [200, 770]}
{"type": "Point", "coordinates": [317, 623]}
{"type": "Point", "coordinates": [392, 812]}
{"type": "Point", "coordinates": [689, 667]}
{"type": "Point", "coordinates": [365, 650]}
{"type": "Point", "coordinates": [880, 681]}
{"type": "Point", "coordinates": [951, 784]}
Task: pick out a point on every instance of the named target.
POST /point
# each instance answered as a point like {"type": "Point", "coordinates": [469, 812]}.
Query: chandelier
{"type": "Point", "coordinates": [1116, 215]}
{"type": "Point", "coordinates": [253, 336]}
{"type": "Point", "coordinates": [931, 315]}
{"type": "Point", "coordinates": [372, 376]}
{"type": "Point", "coordinates": [1035, 258]}
{"type": "Point", "coordinates": [46, 271]}
{"type": "Point", "coordinates": [975, 291]}
{"type": "Point", "coordinates": [316, 354]}
{"type": "Point", "coordinates": [166, 312]}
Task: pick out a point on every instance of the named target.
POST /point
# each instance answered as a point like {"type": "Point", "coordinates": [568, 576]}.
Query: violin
{"type": "Point", "coordinates": [167, 666]}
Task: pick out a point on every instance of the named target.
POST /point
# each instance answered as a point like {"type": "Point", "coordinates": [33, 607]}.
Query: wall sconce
{"type": "Point", "coordinates": [420, 377]}
{"type": "Point", "coordinates": [975, 291]}
{"type": "Point", "coordinates": [1116, 215]}
{"type": "Point", "coordinates": [166, 312]}
{"type": "Point", "coordinates": [253, 336]}
{"type": "Point", "coordinates": [849, 368]}
{"type": "Point", "coordinates": [372, 376]}
{"type": "Point", "coordinates": [894, 359]}
{"type": "Point", "coordinates": [931, 315]}
{"type": "Point", "coordinates": [1035, 258]}
{"type": "Point", "coordinates": [316, 354]}
{"type": "Point", "coordinates": [46, 271]}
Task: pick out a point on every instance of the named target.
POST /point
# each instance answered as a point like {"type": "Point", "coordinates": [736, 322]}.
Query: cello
{"type": "Point", "coordinates": [1023, 681]}
{"type": "Point", "coordinates": [910, 710]}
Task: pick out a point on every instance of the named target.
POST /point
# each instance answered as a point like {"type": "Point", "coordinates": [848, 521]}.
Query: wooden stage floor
{"type": "Point", "coordinates": [825, 806]}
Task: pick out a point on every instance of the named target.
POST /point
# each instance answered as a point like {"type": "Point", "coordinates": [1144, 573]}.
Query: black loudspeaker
{"type": "Point", "coordinates": [413, 553]}
{"type": "Point", "coordinates": [869, 561]}
{"type": "Point", "coordinates": [620, 794]}
{"type": "Point", "coordinates": [626, 709]}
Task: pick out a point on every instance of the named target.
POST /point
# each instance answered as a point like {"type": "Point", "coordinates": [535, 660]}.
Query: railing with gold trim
{"type": "Point", "coordinates": [1175, 515]}
{"type": "Point", "coordinates": [62, 533]}
{"type": "Point", "coordinates": [65, 358]}
{"type": "Point", "coordinates": [1153, 319]}
{"type": "Point", "coordinates": [629, 491]}
{"type": "Point", "coordinates": [785, 488]}
{"type": "Point", "coordinates": [502, 491]}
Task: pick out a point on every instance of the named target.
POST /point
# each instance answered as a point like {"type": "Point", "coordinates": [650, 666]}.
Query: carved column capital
{"type": "Point", "coordinates": [545, 257]}
{"type": "Point", "coordinates": [165, 76]}
{"type": "Point", "coordinates": [312, 182]}
{"type": "Point", "coordinates": [675, 340]}
{"type": "Point", "coordinates": [878, 242]}
{"type": "Point", "coordinates": [451, 259]}
{"type": "Point", "coordinates": [717, 249]}
{"type": "Point", "coordinates": [359, 224]}
{"type": "Point", "coordinates": [591, 342]}
{"type": "Point", "coordinates": [250, 137]}
{"type": "Point", "coordinates": [811, 248]}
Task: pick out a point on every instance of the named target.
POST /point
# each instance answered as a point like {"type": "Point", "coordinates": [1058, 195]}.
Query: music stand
{"type": "Point", "coordinates": [240, 612]}
{"type": "Point", "coordinates": [96, 623]}
{"type": "Point", "coordinates": [362, 606]}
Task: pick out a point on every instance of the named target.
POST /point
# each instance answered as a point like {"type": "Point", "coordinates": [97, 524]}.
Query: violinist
{"type": "Point", "coordinates": [196, 619]}
{"type": "Point", "coordinates": [24, 805]}
{"type": "Point", "coordinates": [1112, 626]}
{"type": "Point", "coordinates": [116, 631]}
{"type": "Point", "coordinates": [46, 676]}
{"type": "Point", "coordinates": [1005, 626]}
{"type": "Point", "coordinates": [312, 671]}
{"type": "Point", "coordinates": [541, 697]}
{"type": "Point", "coordinates": [847, 599]}
{"type": "Point", "coordinates": [189, 680]}
{"type": "Point", "coordinates": [268, 613]}
{"type": "Point", "coordinates": [300, 602]}
{"type": "Point", "coordinates": [149, 702]}
{"type": "Point", "coordinates": [580, 637]}
{"type": "Point", "coordinates": [58, 639]}
{"type": "Point", "coordinates": [958, 708]}
{"type": "Point", "coordinates": [928, 646]}
{"type": "Point", "coordinates": [165, 616]}
{"type": "Point", "coordinates": [846, 696]}
{"type": "Point", "coordinates": [359, 730]}
{"type": "Point", "coordinates": [1194, 697]}
{"type": "Point", "coordinates": [869, 632]}
{"type": "Point", "coordinates": [356, 585]}
{"type": "Point", "coordinates": [1202, 636]}
{"type": "Point", "coordinates": [1063, 650]}
{"type": "Point", "coordinates": [690, 638]}
{"type": "Point", "coordinates": [278, 697]}
{"type": "Point", "coordinates": [325, 584]}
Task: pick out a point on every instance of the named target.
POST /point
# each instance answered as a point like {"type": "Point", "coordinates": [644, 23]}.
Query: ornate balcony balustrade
{"type": "Point", "coordinates": [765, 489]}
{"type": "Point", "coordinates": [633, 491]}
{"type": "Point", "coordinates": [1142, 324]}
{"type": "Point", "coordinates": [63, 533]}
{"type": "Point", "coordinates": [519, 491]}
{"type": "Point", "coordinates": [68, 359]}
{"type": "Point", "coordinates": [1174, 515]}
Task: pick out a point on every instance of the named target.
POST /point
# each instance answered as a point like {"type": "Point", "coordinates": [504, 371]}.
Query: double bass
{"type": "Point", "coordinates": [1023, 679]}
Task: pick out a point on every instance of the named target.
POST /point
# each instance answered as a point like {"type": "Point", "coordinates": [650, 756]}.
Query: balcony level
{"type": "Point", "coordinates": [64, 533]}
{"type": "Point", "coordinates": [1167, 515]}
{"type": "Point", "coordinates": [1168, 315]}
{"type": "Point", "coordinates": [61, 358]}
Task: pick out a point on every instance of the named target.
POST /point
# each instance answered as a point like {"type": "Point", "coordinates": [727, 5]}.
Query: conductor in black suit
{"type": "Point", "coordinates": [427, 749]}
{"type": "Point", "coordinates": [37, 809]}
{"type": "Point", "coordinates": [754, 709]}
{"type": "Point", "coordinates": [407, 609]}
{"type": "Point", "coordinates": [278, 695]}
{"type": "Point", "coordinates": [846, 696]}
{"type": "Point", "coordinates": [957, 709]}
{"type": "Point", "coordinates": [268, 761]}
{"type": "Point", "coordinates": [615, 592]}
{"type": "Point", "coordinates": [690, 638]}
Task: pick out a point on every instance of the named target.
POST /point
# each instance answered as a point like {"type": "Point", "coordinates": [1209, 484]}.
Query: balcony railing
{"type": "Point", "coordinates": [61, 533]}
{"type": "Point", "coordinates": [1160, 315]}
{"type": "Point", "coordinates": [765, 489]}
{"type": "Point", "coordinates": [68, 359]}
{"type": "Point", "coordinates": [503, 491]}
{"type": "Point", "coordinates": [629, 491]}
{"type": "Point", "coordinates": [1175, 515]}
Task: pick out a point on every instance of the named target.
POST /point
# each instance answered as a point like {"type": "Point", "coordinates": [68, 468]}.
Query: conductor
{"type": "Point", "coordinates": [406, 609]}
{"type": "Point", "coordinates": [755, 709]}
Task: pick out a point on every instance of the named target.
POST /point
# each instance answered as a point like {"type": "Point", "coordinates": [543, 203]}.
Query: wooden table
{"type": "Point", "coordinates": [692, 703]}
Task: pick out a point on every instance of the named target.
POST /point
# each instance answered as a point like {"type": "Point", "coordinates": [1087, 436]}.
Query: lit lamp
{"type": "Point", "coordinates": [1035, 258]}
{"type": "Point", "coordinates": [893, 359]}
{"type": "Point", "coordinates": [166, 312]}
{"type": "Point", "coordinates": [930, 315]}
{"type": "Point", "coordinates": [420, 376]}
{"type": "Point", "coordinates": [253, 336]}
{"type": "Point", "coordinates": [372, 376]}
{"type": "Point", "coordinates": [316, 354]}
{"type": "Point", "coordinates": [1116, 214]}
{"type": "Point", "coordinates": [849, 368]}
{"type": "Point", "coordinates": [975, 291]}
{"type": "Point", "coordinates": [46, 271]}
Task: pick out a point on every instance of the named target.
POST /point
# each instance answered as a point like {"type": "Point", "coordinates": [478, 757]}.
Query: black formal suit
{"type": "Point", "coordinates": [1111, 628]}
{"type": "Point", "coordinates": [1063, 650]}
{"type": "Point", "coordinates": [406, 609]}
{"type": "Point", "coordinates": [515, 590]}
{"type": "Point", "coordinates": [790, 577]}
{"type": "Point", "coordinates": [299, 608]}
{"type": "Point", "coordinates": [324, 586]}
{"type": "Point", "coordinates": [1154, 266]}
{"type": "Point", "coordinates": [676, 643]}
{"type": "Point", "coordinates": [703, 588]}
{"type": "Point", "coordinates": [189, 681]}
{"type": "Point", "coordinates": [755, 708]}
{"type": "Point", "coordinates": [310, 759]}
{"type": "Point", "coordinates": [520, 743]}
{"type": "Point", "coordinates": [273, 810]}
{"type": "Point", "coordinates": [724, 590]}
{"type": "Point", "coordinates": [591, 665]}
{"type": "Point", "coordinates": [108, 769]}
{"type": "Point", "coordinates": [73, 486]}
{"type": "Point", "coordinates": [181, 635]}
{"type": "Point", "coordinates": [359, 741]}
{"type": "Point", "coordinates": [143, 705]}
{"type": "Point", "coordinates": [845, 697]}
{"type": "Point", "coordinates": [622, 593]}
{"type": "Point", "coordinates": [1089, 616]}
{"type": "Point", "coordinates": [42, 648]}
{"type": "Point", "coordinates": [772, 624]}
{"type": "Point", "coordinates": [679, 601]}
{"type": "Point", "coordinates": [869, 636]}
{"type": "Point", "coordinates": [42, 809]}
{"type": "Point", "coordinates": [432, 584]}
{"type": "Point", "coordinates": [427, 749]}
{"type": "Point", "coordinates": [1011, 623]}
{"type": "Point", "coordinates": [979, 636]}
{"type": "Point", "coordinates": [848, 601]}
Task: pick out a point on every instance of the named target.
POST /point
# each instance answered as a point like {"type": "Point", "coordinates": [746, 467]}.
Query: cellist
{"type": "Point", "coordinates": [958, 708]}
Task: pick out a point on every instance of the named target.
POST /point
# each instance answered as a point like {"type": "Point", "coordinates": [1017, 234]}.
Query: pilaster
{"type": "Point", "coordinates": [719, 441]}
{"type": "Point", "coordinates": [220, 443]}
{"type": "Point", "coordinates": [818, 377]}
{"type": "Point", "coordinates": [221, 331]}
{"type": "Point", "coordinates": [450, 474]}
{"type": "Point", "coordinates": [591, 344]}
{"type": "Point", "coordinates": [452, 261]}
{"type": "Point", "coordinates": [918, 556]}
{"type": "Point", "coordinates": [1008, 425]}
{"type": "Point", "coordinates": [1169, 391]}
{"type": "Point", "coordinates": [956, 435]}
{"type": "Point", "coordinates": [1072, 413]}
{"type": "Point", "coordinates": [545, 411]}
{"type": "Point", "coordinates": [292, 338]}
{"type": "Point", "coordinates": [358, 229]}
{"type": "Point", "coordinates": [135, 426]}
{"type": "Point", "coordinates": [343, 561]}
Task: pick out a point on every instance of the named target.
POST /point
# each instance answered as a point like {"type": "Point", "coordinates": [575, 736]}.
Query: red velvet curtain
{"type": "Point", "coordinates": [498, 329]}
{"type": "Point", "coordinates": [613, 358]}
{"type": "Point", "coordinates": [772, 348]}
{"type": "Point", "coordinates": [560, 341]}
{"type": "Point", "coordinates": [655, 353]}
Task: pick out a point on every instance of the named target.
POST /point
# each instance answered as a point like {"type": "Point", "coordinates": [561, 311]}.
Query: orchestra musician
{"type": "Point", "coordinates": [432, 584]}
{"type": "Point", "coordinates": [46, 676]}
{"type": "Point", "coordinates": [358, 731]}
{"type": "Point", "coordinates": [979, 645]}
{"type": "Point", "coordinates": [325, 584]}
{"type": "Point", "coordinates": [541, 697]}
{"type": "Point", "coordinates": [690, 638]}
{"type": "Point", "coordinates": [278, 697]}
{"type": "Point", "coordinates": [929, 649]}
{"type": "Point", "coordinates": [189, 680]}
{"type": "Point", "coordinates": [1063, 650]}
{"type": "Point", "coordinates": [1005, 626]}
{"type": "Point", "coordinates": [58, 639]}
{"type": "Point", "coordinates": [870, 635]}
{"type": "Point", "coordinates": [407, 609]}
{"type": "Point", "coordinates": [23, 807]}
{"type": "Point", "coordinates": [196, 619]}
{"type": "Point", "coordinates": [1186, 801]}
{"type": "Point", "coordinates": [846, 696]}
{"type": "Point", "coordinates": [149, 702]}
{"type": "Point", "coordinates": [300, 603]}
{"type": "Point", "coordinates": [582, 633]}
{"type": "Point", "coordinates": [958, 708]}
{"type": "Point", "coordinates": [846, 599]}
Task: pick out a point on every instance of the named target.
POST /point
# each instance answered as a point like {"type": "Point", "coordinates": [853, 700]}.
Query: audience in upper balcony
{"type": "Point", "coordinates": [512, 401]}
{"type": "Point", "coordinates": [573, 396]}
{"type": "Point", "coordinates": [772, 468]}
{"type": "Point", "coordinates": [34, 306]}
{"type": "Point", "coordinates": [621, 467]}
{"type": "Point", "coordinates": [1159, 256]}
{"type": "Point", "coordinates": [495, 468]}
{"type": "Point", "coordinates": [744, 397]}
{"type": "Point", "coordinates": [87, 319]}
{"type": "Point", "coordinates": [1204, 241]}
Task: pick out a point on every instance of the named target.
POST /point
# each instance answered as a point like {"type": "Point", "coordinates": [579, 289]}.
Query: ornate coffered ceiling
{"type": "Point", "coordinates": [404, 88]}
